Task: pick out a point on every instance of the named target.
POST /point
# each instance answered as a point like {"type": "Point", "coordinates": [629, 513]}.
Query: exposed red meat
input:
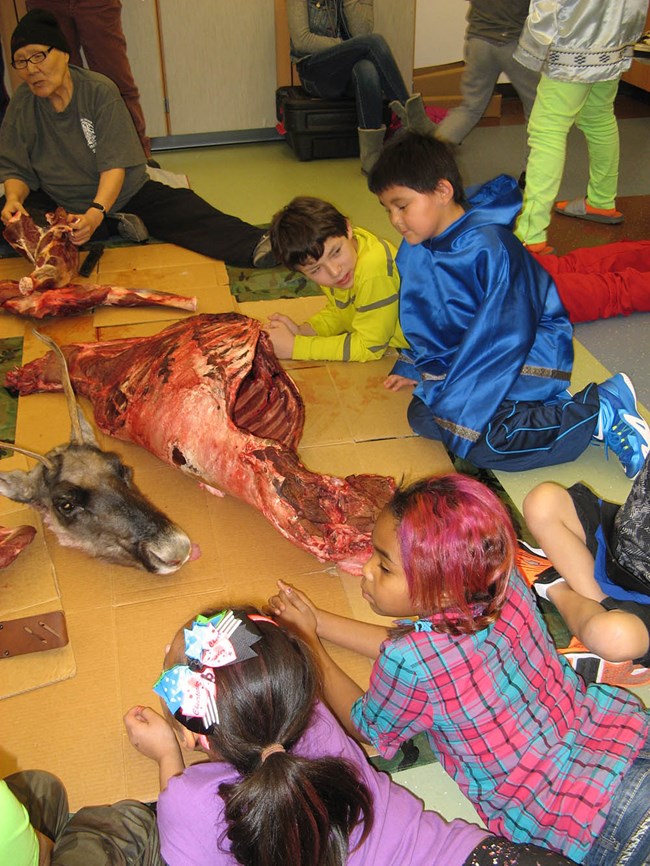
{"type": "Point", "coordinates": [13, 542]}
{"type": "Point", "coordinates": [69, 300]}
{"type": "Point", "coordinates": [48, 292]}
{"type": "Point", "coordinates": [208, 396]}
{"type": "Point", "coordinates": [51, 250]}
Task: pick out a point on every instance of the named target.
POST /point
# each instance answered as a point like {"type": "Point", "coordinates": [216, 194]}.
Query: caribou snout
{"type": "Point", "coordinates": [166, 553]}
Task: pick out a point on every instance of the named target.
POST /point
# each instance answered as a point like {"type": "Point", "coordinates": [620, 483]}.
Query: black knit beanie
{"type": "Point", "coordinates": [38, 27]}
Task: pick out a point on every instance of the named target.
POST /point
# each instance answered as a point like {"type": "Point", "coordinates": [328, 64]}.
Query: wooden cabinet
{"type": "Point", "coordinates": [208, 67]}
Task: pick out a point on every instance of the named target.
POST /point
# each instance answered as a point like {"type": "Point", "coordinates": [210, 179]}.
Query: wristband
{"type": "Point", "coordinates": [98, 206]}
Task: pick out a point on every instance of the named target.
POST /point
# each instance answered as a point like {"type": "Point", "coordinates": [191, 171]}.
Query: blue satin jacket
{"type": "Point", "coordinates": [483, 319]}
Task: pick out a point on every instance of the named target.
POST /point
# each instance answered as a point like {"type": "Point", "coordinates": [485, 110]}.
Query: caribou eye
{"type": "Point", "coordinates": [66, 506]}
{"type": "Point", "coordinates": [70, 500]}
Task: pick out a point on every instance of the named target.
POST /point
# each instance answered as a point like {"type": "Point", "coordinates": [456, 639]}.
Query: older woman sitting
{"type": "Point", "coordinates": [67, 139]}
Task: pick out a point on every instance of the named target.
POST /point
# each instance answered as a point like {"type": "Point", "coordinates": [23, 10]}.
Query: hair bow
{"type": "Point", "coordinates": [190, 690]}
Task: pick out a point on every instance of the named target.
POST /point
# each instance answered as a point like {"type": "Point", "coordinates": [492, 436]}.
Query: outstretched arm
{"type": "Point", "coordinates": [295, 611]}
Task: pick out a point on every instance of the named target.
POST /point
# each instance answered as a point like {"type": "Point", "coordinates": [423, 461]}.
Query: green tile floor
{"type": "Point", "coordinates": [254, 180]}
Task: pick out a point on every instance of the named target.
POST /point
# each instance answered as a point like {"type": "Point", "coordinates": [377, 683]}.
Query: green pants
{"type": "Point", "coordinates": [558, 106]}
{"type": "Point", "coordinates": [124, 834]}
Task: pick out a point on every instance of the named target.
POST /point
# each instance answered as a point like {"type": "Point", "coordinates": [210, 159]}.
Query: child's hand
{"type": "Point", "coordinates": [284, 320]}
{"type": "Point", "coordinates": [396, 383]}
{"type": "Point", "coordinates": [295, 610]}
{"type": "Point", "coordinates": [150, 734]}
{"type": "Point", "coordinates": [282, 338]}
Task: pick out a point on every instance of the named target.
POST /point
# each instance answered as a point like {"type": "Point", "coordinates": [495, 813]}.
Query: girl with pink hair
{"type": "Point", "coordinates": [469, 662]}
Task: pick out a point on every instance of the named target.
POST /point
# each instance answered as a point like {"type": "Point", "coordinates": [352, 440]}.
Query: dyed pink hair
{"type": "Point", "coordinates": [458, 549]}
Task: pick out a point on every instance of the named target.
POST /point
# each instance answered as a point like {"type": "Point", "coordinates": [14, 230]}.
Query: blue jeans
{"type": "Point", "coordinates": [368, 64]}
{"type": "Point", "coordinates": [625, 837]}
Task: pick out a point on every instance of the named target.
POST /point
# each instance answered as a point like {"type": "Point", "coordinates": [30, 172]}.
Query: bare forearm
{"type": "Point", "coordinates": [109, 187]}
{"type": "Point", "coordinates": [364, 638]}
{"type": "Point", "coordinates": [171, 764]}
{"type": "Point", "coordinates": [15, 189]}
{"type": "Point", "coordinates": [340, 691]}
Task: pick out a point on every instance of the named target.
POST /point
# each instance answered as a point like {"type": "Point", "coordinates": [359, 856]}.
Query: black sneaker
{"type": "Point", "coordinates": [545, 581]}
{"type": "Point", "coordinates": [536, 568]}
{"type": "Point", "coordinates": [263, 254]}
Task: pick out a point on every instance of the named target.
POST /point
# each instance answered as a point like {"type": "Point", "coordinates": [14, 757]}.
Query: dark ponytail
{"type": "Point", "coordinates": [284, 810]}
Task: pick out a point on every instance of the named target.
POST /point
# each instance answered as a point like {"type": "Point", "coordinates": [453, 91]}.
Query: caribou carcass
{"type": "Point", "coordinates": [47, 291]}
{"type": "Point", "coordinates": [88, 499]}
{"type": "Point", "coordinates": [13, 541]}
{"type": "Point", "coordinates": [208, 396]}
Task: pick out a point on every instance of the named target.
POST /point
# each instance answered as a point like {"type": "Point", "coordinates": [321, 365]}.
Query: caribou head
{"type": "Point", "coordinates": [88, 499]}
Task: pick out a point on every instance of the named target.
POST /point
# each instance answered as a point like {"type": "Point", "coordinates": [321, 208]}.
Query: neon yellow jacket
{"type": "Point", "coordinates": [360, 323]}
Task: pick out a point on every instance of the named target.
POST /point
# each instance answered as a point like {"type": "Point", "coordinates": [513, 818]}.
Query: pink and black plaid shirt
{"type": "Point", "coordinates": [536, 751]}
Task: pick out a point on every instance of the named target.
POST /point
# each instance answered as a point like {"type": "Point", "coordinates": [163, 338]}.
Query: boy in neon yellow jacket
{"type": "Point", "coordinates": [357, 273]}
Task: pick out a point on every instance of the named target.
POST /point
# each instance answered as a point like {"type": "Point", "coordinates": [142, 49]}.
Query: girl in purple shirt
{"type": "Point", "coordinates": [282, 783]}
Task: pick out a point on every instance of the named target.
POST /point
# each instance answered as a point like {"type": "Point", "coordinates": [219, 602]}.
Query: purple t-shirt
{"type": "Point", "coordinates": [191, 819]}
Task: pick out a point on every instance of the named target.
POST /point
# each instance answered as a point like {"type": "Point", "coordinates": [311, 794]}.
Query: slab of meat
{"type": "Point", "coordinates": [13, 542]}
{"type": "Point", "coordinates": [51, 250]}
{"type": "Point", "coordinates": [73, 299]}
{"type": "Point", "coordinates": [47, 291]}
{"type": "Point", "coordinates": [208, 396]}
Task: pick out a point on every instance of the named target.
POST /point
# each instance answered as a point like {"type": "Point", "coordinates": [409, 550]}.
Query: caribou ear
{"type": "Point", "coordinates": [87, 431]}
{"type": "Point", "coordinates": [21, 486]}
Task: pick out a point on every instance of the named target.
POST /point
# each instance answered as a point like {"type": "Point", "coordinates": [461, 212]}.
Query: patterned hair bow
{"type": "Point", "coordinates": [190, 690]}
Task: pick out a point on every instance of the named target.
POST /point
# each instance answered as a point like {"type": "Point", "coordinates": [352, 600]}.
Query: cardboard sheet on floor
{"type": "Point", "coordinates": [119, 619]}
{"type": "Point", "coordinates": [29, 588]}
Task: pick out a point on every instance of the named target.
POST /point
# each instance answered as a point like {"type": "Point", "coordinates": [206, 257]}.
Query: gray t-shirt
{"type": "Point", "coordinates": [64, 152]}
{"type": "Point", "coordinates": [497, 20]}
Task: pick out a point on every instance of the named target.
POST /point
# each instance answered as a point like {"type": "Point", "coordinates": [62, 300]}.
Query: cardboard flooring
{"type": "Point", "coordinates": [120, 619]}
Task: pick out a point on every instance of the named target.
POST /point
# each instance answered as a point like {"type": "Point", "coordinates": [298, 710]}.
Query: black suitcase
{"type": "Point", "coordinates": [317, 128]}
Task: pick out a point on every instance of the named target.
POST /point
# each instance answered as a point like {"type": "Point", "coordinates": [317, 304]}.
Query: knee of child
{"type": "Point", "coordinates": [541, 503]}
{"type": "Point", "coordinates": [613, 635]}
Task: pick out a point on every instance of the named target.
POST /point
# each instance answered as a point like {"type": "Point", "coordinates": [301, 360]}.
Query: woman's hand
{"type": "Point", "coordinates": [150, 734]}
{"type": "Point", "coordinates": [84, 225]}
{"type": "Point", "coordinates": [396, 383]}
{"type": "Point", "coordinates": [12, 206]}
{"type": "Point", "coordinates": [293, 609]}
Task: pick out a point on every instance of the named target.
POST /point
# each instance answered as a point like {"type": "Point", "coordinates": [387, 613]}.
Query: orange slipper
{"type": "Point", "coordinates": [582, 210]}
{"type": "Point", "coordinates": [540, 249]}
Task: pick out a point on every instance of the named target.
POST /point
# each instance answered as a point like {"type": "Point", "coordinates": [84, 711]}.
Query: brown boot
{"type": "Point", "coordinates": [414, 116]}
{"type": "Point", "coordinates": [371, 142]}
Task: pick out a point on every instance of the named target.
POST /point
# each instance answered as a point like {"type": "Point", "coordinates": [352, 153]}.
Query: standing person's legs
{"type": "Point", "coordinates": [482, 68]}
{"type": "Point", "coordinates": [181, 217]}
{"type": "Point", "coordinates": [99, 23]}
{"type": "Point", "coordinates": [556, 107]}
{"type": "Point", "coordinates": [45, 799]}
{"type": "Point", "coordinates": [523, 79]}
{"type": "Point", "coordinates": [124, 834]}
{"type": "Point", "coordinates": [61, 10]}
{"type": "Point", "coordinates": [597, 121]}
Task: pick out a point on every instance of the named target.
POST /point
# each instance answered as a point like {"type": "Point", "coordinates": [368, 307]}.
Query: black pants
{"type": "Point", "coordinates": [181, 217]}
{"type": "Point", "coordinates": [178, 216]}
